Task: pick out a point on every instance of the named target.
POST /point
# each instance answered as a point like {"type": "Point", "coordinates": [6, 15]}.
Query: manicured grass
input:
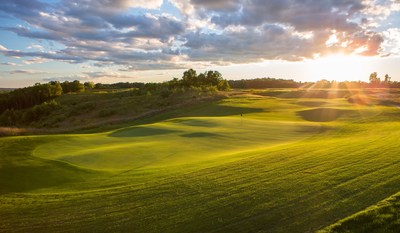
{"type": "Point", "coordinates": [279, 167]}
{"type": "Point", "coordinates": [383, 217]}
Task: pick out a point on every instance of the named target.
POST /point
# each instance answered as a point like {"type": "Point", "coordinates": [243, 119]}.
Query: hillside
{"type": "Point", "coordinates": [258, 161]}
{"type": "Point", "coordinates": [98, 109]}
{"type": "Point", "coordinates": [63, 107]}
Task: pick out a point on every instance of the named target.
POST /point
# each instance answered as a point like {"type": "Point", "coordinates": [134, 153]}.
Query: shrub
{"type": "Point", "coordinates": [106, 113]}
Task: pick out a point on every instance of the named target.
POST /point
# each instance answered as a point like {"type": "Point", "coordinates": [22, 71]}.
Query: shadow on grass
{"type": "Point", "coordinates": [42, 174]}
{"type": "Point", "coordinates": [322, 114]}
{"type": "Point", "coordinates": [141, 132]}
{"type": "Point", "coordinates": [311, 103]}
{"type": "Point", "coordinates": [194, 122]}
{"type": "Point", "coordinates": [389, 103]}
{"type": "Point", "coordinates": [200, 135]}
{"type": "Point", "coordinates": [320, 94]}
{"type": "Point", "coordinates": [216, 109]}
{"type": "Point", "coordinates": [21, 172]}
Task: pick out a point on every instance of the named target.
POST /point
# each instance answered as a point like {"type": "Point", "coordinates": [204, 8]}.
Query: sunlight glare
{"type": "Point", "coordinates": [338, 67]}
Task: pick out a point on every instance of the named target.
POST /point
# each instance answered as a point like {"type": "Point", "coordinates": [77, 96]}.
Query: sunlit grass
{"type": "Point", "coordinates": [205, 168]}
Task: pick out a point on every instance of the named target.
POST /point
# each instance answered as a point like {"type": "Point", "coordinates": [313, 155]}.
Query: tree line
{"type": "Point", "coordinates": [39, 93]}
{"type": "Point", "coordinates": [28, 104]}
{"type": "Point", "coordinates": [260, 83]}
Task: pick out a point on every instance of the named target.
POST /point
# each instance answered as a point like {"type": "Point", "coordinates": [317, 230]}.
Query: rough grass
{"type": "Point", "coordinates": [196, 169]}
{"type": "Point", "coordinates": [77, 111]}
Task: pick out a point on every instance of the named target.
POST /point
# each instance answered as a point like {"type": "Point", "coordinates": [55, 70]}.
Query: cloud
{"type": "Point", "coordinates": [58, 56]}
{"type": "Point", "coordinates": [8, 64]}
{"type": "Point", "coordinates": [118, 33]}
{"type": "Point", "coordinates": [25, 72]}
{"type": "Point", "coordinates": [269, 42]}
{"type": "Point", "coordinates": [111, 6]}
{"type": "Point", "coordinates": [90, 76]}
{"type": "Point", "coordinates": [392, 41]}
{"type": "Point", "coordinates": [66, 78]}
{"type": "Point", "coordinates": [219, 5]}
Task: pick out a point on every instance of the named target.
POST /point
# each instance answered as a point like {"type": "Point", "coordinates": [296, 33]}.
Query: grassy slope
{"type": "Point", "coordinates": [207, 170]}
{"type": "Point", "coordinates": [93, 109]}
{"type": "Point", "coordinates": [382, 217]}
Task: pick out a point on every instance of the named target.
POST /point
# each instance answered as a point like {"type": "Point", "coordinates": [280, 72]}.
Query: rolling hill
{"type": "Point", "coordinates": [257, 161]}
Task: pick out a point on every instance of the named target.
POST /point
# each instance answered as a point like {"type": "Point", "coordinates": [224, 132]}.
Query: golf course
{"type": "Point", "coordinates": [278, 160]}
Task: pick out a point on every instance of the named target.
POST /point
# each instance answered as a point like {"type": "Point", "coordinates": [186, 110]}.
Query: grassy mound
{"type": "Point", "coordinates": [21, 172]}
{"type": "Point", "coordinates": [247, 163]}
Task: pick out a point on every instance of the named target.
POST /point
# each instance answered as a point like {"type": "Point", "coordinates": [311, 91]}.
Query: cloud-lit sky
{"type": "Point", "coordinates": [155, 40]}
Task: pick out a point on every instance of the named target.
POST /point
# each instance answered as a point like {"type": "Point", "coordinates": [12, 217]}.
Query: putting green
{"type": "Point", "coordinates": [173, 142]}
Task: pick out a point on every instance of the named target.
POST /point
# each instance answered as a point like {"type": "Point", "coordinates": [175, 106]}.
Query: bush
{"type": "Point", "coordinates": [38, 111]}
{"type": "Point", "coordinates": [10, 117]}
{"type": "Point", "coordinates": [106, 113]}
{"type": "Point", "coordinates": [165, 93]}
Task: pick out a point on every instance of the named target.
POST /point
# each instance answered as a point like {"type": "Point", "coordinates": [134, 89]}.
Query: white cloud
{"type": "Point", "coordinates": [8, 64]}
{"type": "Point", "coordinates": [111, 33]}
{"type": "Point", "coordinates": [392, 41]}
{"type": "Point", "coordinates": [26, 72]}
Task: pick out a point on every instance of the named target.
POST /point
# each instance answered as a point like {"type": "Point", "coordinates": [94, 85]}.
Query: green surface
{"type": "Point", "coordinates": [285, 165]}
{"type": "Point", "coordinates": [383, 217]}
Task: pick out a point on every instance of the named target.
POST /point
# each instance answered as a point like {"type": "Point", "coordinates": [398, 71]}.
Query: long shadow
{"type": "Point", "coordinates": [311, 103]}
{"type": "Point", "coordinates": [319, 94]}
{"type": "Point", "coordinates": [42, 174]}
{"type": "Point", "coordinates": [199, 135]}
{"type": "Point", "coordinates": [215, 109]}
{"type": "Point", "coordinates": [322, 114]}
{"type": "Point", "coordinates": [193, 122]}
{"type": "Point", "coordinates": [21, 172]}
{"type": "Point", "coordinates": [198, 110]}
{"type": "Point", "coordinates": [141, 132]}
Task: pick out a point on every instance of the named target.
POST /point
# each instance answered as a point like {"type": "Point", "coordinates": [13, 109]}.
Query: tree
{"type": "Point", "coordinates": [223, 85]}
{"type": "Point", "coordinates": [56, 88]}
{"type": "Point", "coordinates": [189, 78]}
{"type": "Point", "coordinates": [213, 78]}
{"type": "Point", "coordinates": [387, 78]}
{"type": "Point", "coordinates": [77, 86]}
{"type": "Point", "coordinates": [373, 78]}
{"type": "Point", "coordinates": [89, 85]}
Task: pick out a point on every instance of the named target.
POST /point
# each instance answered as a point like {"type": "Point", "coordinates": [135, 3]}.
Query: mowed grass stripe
{"type": "Point", "coordinates": [235, 183]}
{"type": "Point", "coordinates": [300, 186]}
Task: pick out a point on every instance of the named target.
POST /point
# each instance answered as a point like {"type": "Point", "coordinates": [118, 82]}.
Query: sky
{"type": "Point", "coordinates": [112, 41]}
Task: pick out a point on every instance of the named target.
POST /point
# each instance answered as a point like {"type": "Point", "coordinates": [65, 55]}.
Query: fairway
{"type": "Point", "coordinates": [256, 161]}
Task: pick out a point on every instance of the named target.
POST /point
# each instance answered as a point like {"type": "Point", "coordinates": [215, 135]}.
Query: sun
{"type": "Point", "coordinates": [338, 67]}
